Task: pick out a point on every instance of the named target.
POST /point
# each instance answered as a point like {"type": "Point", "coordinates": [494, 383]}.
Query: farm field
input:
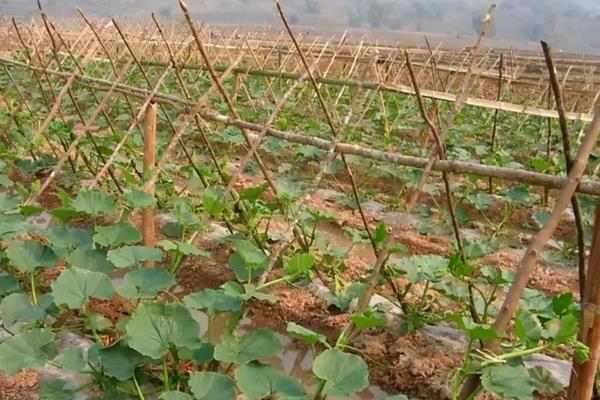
{"type": "Point", "coordinates": [197, 212]}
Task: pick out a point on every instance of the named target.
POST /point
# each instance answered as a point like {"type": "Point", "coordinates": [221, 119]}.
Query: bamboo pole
{"type": "Point", "coordinates": [148, 229]}
{"type": "Point", "coordinates": [583, 375]}
{"type": "Point", "coordinates": [387, 87]}
{"type": "Point", "coordinates": [496, 112]}
{"type": "Point", "coordinates": [564, 127]}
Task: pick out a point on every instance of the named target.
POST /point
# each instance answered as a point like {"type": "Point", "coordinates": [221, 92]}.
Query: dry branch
{"type": "Point", "coordinates": [564, 127]}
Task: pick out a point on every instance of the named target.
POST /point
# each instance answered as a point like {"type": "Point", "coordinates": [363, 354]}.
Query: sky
{"type": "Point", "coordinates": [571, 25]}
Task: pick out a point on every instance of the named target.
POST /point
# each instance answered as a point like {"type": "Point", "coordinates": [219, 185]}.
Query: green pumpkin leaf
{"type": "Point", "coordinates": [73, 360]}
{"type": "Point", "coordinates": [30, 254]}
{"type": "Point", "coordinates": [343, 373]}
{"type": "Point", "coordinates": [213, 200]}
{"type": "Point", "coordinates": [508, 381]}
{"type": "Point", "coordinates": [562, 304]}
{"type": "Point", "coordinates": [541, 218]}
{"type": "Point", "coordinates": [368, 320]}
{"type": "Point", "coordinates": [424, 268]}
{"type": "Point", "coordinates": [26, 350]}
{"type": "Point", "coordinates": [168, 245]}
{"type": "Point", "coordinates": [94, 202]}
{"type": "Point", "coordinates": [481, 201]}
{"type": "Point", "coordinates": [459, 268]}
{"type": "Point", "coordinates": [527, 328]}
{"type": "Point", "coordinates": [63, 214]}
{"type": "Point", "coordinates": [74, 287]}
{"type": "Point", "coordinates": [298, 264]}
{"type": "Point", "coordinates": [64, 240]}
{"type": "Point", "coordinates": [345, 299]}
{"type": "Point", "coordinates": [8, 285]}
{"type": "Point", "coordinates": [8, 202]}
{"type": "Point", "coordinates": [175, 396]}
{"type": "Point", "coordinates": [139, 199]}
{"type": "Point", "coordinates": [12, 225]}
{"type": "Point", "coordinates": [184, 212]}
{"type": "Point", "coordinates": [154, 327]}
{"type": "Point", "coordinates": [117, 234]}
{"type": "Point", "coordinates": [248, 262]}
{"type": "Point", "coordinates": [242, 270]}
{"type": "Point", "coordinates": [250, 253]}
{"type": "Point", "coordinates": [212, 386]}
{"type": "Point", "coordinates": [55, 389]}
{"type": "Point", "coordinates": [544, 381]}
{"type": "Point", "coordinates": [519, 194]}
{"type": "Point", "coordinates": [18, 307]}
{"type": "Point", "coordinates": [200, 354]}
{"type": "Point", "coordinates": [380, 235]}
{"type": "Point", "coordinates": [213, 301]}
{"type": "Point", "coordinates": [91, 260]}
{"type": "Point", "coordinates": [119, 361]}
{"type": "Point", "coordinates": [184, 248]}
{"type": "Point", "coordinates": [252, 292]}
{"type": "Point", "coordinates": [146, 282]}
{"type": "Point", "coordinates": [189, 249]}
{"type": "Point", "coordinates": [97, 322]}
{"type": "Point", "coordinates": [476, 331]}
{"type": "Point", "coordinates": [263, 381]}
{"type": "Point", "coordinates": [306, 335]}
{"type": "Point", "coordinates": [133, 255]}
{"type": "Point", "coordinates": [568, 328]}
{"type": "Point", "coordinates": [252, 194]}
{"type": "Point", "coordinates": [250, 347]}
{"type": "Point", "coordinates": [173, 230]}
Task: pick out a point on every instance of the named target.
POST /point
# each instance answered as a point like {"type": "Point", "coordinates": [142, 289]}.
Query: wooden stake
{"type": "Point", "coordinates": [496, 112]}
{"type": "Point", "coordinates": [149, 163]}
{"type": "Point", "coordinates": [583, 375]}
{"type": "Point", "coordinates": [564, 128]}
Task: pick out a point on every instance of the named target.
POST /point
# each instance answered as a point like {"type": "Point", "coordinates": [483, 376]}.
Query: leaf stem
{"type": "Point", "coordinates": [167, 385]}
{"type": "Point", "coordinates": [320, 388]}
{"type": "Point", "coordinates": [275, 282]}
{"type": "Point", "coordinates": [33, 289]}
{"type": "Point", "coordinates": [172, 296]}
{"type": "Point", "coordinates": [521, 353]}
{"type": "Point", "coordinates": [138, 389]}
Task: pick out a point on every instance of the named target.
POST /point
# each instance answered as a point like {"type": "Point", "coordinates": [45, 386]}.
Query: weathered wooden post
{"type": "Point", "coordinates": [148, 229]}
{"type": "Point", "coordinates": [583, 376]}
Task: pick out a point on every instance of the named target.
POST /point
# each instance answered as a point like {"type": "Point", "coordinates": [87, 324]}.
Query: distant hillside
{"type": "Point", "coordinates": [572, 25]}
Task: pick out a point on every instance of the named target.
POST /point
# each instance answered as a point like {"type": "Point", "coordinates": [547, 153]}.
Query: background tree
{"type": "Point", "coordinates": [312, 6]}
{"type": "Point", "coordinates": [378, 12]}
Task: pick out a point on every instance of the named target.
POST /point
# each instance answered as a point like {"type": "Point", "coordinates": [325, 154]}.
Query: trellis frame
{"type": "Point", "coordinates": [315, 57]}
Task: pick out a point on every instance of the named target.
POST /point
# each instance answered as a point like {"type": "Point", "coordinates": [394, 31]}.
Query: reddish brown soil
{"type": "Point", "coordinates": [409, 364]}
{"type": "Point", "coordinates": [301, 307]}
{"type": "Point", "coordinates": [552, 280]}
{"type": "Point", "coordinates": [198, 273]}
{"type": "Point", "coordinates": [114, 309]}
{"type": "Point", "coordinates": [22, 386]}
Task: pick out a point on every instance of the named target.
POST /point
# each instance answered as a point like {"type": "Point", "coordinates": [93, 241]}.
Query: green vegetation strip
{"type": "Point", "coordinates": [453, 166]}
